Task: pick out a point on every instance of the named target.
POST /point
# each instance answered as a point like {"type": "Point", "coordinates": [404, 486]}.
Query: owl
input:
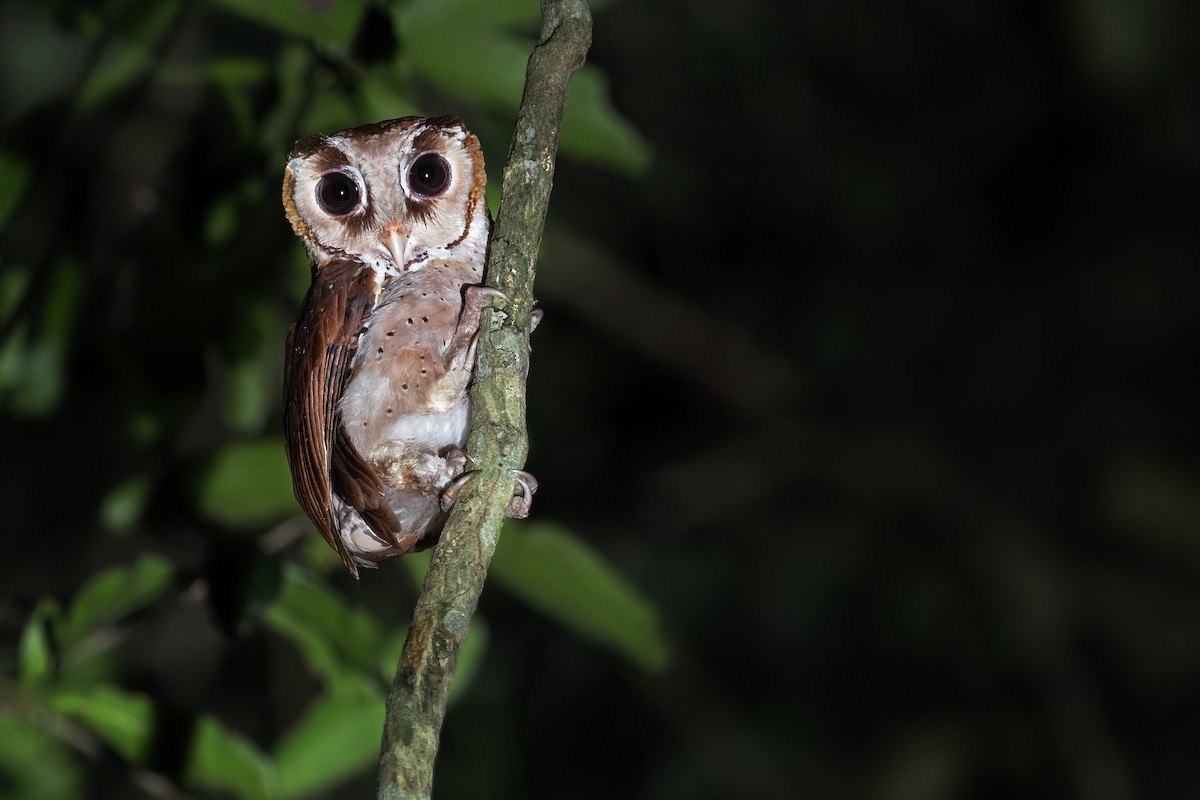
{"type": "Point", "coordinates": [378, 365]}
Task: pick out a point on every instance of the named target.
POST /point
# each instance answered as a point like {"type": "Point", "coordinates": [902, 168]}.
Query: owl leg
{"type": "Point", "coordinates": [518, 506]}
{"type": "Point", "coordinates": [461, 352]}
{"type": "Point", "coordinates": [475, 300]}
{"type": "Point", "coordinates": [413, 467]}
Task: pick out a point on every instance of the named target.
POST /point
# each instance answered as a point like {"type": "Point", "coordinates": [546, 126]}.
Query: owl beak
{"type": "Point", "coordinates": [396, 243]}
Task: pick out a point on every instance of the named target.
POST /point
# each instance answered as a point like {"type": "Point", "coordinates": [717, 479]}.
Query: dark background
{"type": "Point", "coordinates": [875, 379]}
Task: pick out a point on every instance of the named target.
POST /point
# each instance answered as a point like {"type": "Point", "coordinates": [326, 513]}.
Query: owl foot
{"type": "Point", "coordinates": [412, 467]}
{"type": "Point", "coordinates": [461, 352]}
{"type": "Point", "coordinates": [518, 506]}
{"type": "Point", "coordinates": [476, 299]}
{"type": "Point", "coordinates": [522, 499]}
{"type": "Point", "coordinates": [456, 460]}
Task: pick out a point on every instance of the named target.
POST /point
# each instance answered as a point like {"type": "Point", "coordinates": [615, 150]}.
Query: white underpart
{"type": "Point", "coordinates": [444, 428]}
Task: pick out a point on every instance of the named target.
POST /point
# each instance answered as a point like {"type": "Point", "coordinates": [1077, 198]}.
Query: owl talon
{"type": "Point", "coordinates": [518, 507]}
{"type": "Point", "coordinates": [478, 297]}
{"type": "Point", "coordinates": [456, 460]}
{"type": "Point", "coordinates": [450, 493]}
{"type": "Point", "coordinates": [490, 292]}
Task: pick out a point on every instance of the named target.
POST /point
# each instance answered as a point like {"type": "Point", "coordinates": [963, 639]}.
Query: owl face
{"type": "Point", "coordinates": [393, 196]}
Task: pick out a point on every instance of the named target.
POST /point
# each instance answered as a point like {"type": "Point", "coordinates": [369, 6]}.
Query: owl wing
{"type": "Point", "coordinates": [320, 350]}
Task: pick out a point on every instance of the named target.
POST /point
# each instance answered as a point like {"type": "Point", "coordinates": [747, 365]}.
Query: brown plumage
{"type": "Point", "coordinates": [378, 365]}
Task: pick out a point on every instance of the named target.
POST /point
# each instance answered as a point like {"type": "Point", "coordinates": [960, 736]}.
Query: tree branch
{"type": "Point", "coordinates": [416, 704]}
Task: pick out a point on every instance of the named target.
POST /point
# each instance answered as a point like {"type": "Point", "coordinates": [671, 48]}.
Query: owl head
{"type": "Point", "coordinates": [393, 195]}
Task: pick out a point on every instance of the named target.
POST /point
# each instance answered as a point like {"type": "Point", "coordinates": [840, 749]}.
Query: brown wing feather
{"type": "Point", "coordinates": [361, 488]}
{"type": "Point", "coordinates": [320, 349]}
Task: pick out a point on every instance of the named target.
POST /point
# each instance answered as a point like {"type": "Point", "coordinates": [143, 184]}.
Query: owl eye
{"type": "Point", "coordinates": [429, 175]}
{"type": "Point", "coordinates": [337, 193]}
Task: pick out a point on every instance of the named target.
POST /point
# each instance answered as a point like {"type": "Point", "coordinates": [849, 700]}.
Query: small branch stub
{"type": "Point", "coordinates": [416, 705]}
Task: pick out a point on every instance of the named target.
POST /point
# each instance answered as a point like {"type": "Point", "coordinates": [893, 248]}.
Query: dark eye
{"type": "Point", "coordinates": [337, 193]}
{"type": "Point", "coordinates": [429, 175]}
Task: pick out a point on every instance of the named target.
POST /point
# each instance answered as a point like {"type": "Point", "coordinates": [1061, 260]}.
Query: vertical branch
{"type": "Point", "coordinates": [416, 704]}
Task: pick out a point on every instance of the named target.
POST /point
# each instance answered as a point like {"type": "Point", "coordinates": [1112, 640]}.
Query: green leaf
{"type": "Point", "coordinates": [593, 130]}
{"type": "Point", "coordinates": [222, 220]}
{"type": "Point", "coordinates": [247, 483]}
{"type": "Point", "coordinates": [12, 363]}
{"type": "Point", "coordinates": [123, 505]}
{"type": "Point", "coordinates": [32, 362]}
{"type": "Point", "coordinates": [130, 55]}
{"type": "Point", "coordinates": [240, 110]}
{"type": "Point", "coordinates": [417, 565]}
{"type": "Point", "coordinates": [389, 653]}
{"type": "Point", "coordinates": [330, 109]}
{"type": "Point", "coordinates": [251, 380]}
{"type": "Point", "coordinates": [338, 737]}
{"type": "Point", "coordinates": [469, 15]}
{"type": "Point", "coordinates": [14, 282]}
{"type": "Point", "coordinates": [122, 719]}
{"type": "Point", "coordinates": [237, 70]}
{"type": "Point", "coordinates": [249, 398]}
{"type": "Point", "coordinates": [382, 98]}
{"type": "Point", "coordinates": [493, 197]}
{"type": "Point", "coordinates": [479, 66]}
{"type": "Point", "coordinates": [222, 759]}
{"type": "Point", "coordinates": [925, 762]}
{"type": "Point", "coordinates": [470, 658]}
{"type": "Point", "coordinates": [34, 764]}
{"type": "Point", "coordinates": [336, 641]}
{"type": "Point", "coordinates": [463, 46]}
{"type": "Point", "coordinates": [292, 71]}
{"type": "Point", "coordinates": [112, 594]}
{"type": "Point", "coordinates": [563, 578]}
{"type": "Point", "coordinates": [328, 24]}
{"type": "Point", "coordinates": [14, 176]}
{"type": "Point", "coordinates": [40, 385]}
{"type": "Point", "coordinates": [60, 314]}
{"type": "Point", "coordinates": [35, 651]}
{"type": "Point", "coordinates": [315, 555]}
{"type": "Point", "coordinates": [115, 72]}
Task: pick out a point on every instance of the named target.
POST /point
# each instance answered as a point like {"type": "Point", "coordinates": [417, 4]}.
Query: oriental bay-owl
{"type": "Point", "coordinates": [378, 365]}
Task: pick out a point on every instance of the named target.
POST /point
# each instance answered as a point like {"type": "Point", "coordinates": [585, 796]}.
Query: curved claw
{"type": "Point", "coordinates": [484, 294]}
{"type": "Point", "coordinates": [480, 296]}
{"type": "Point", "coordinates": [518, 507]}
{"type": "Point", "coordinates": [451, 492]}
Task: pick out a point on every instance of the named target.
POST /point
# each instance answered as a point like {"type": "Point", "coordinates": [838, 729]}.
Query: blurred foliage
{"type": "Point", "coordinates": [861, 409]}
{"type": "Point", "coordinates": [248, 77]}
{"type": "Point", "coordinates": [555, 573]}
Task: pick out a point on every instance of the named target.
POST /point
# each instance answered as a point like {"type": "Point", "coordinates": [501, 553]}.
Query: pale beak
{"type": "Point", "coordinates": [396, 243]}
